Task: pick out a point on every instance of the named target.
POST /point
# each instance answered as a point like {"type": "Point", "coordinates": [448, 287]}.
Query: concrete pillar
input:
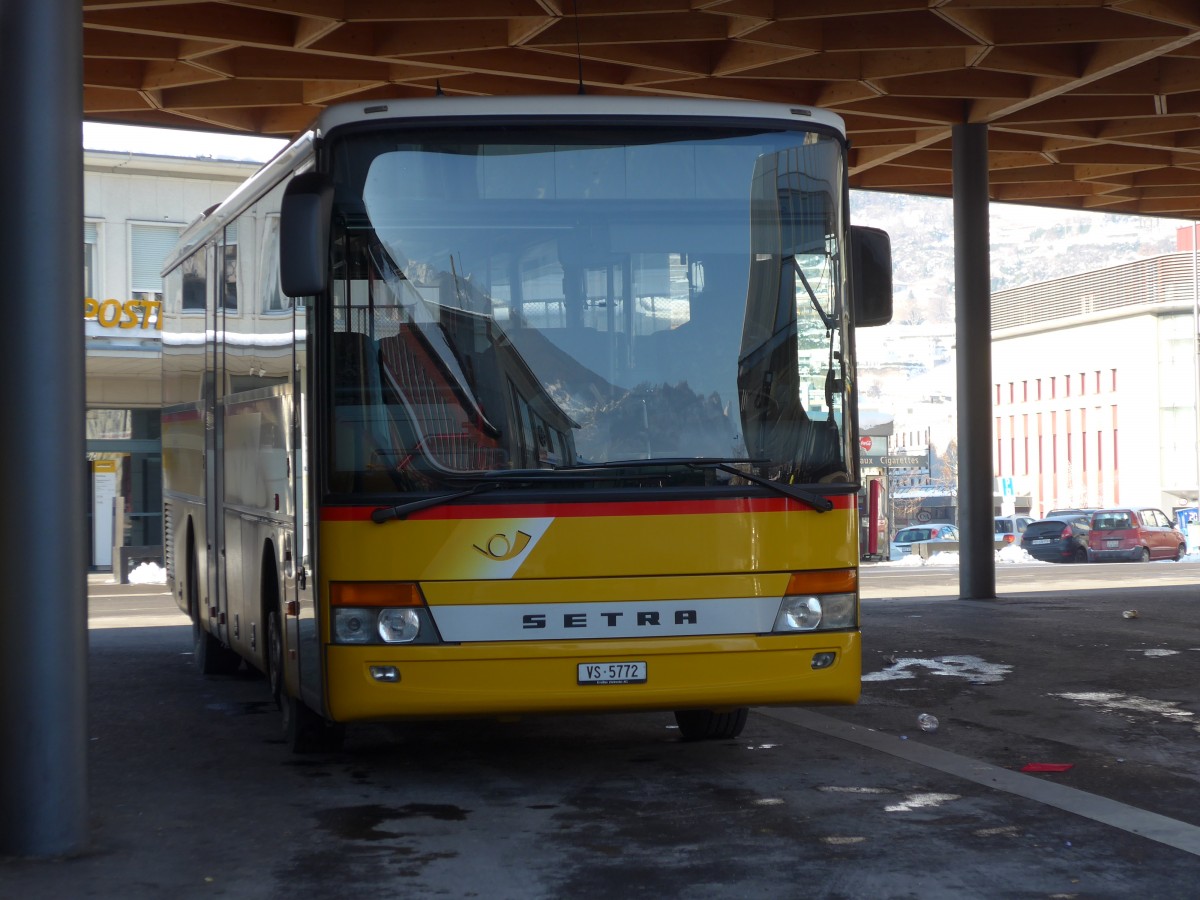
{"type": "Point", "coordinates": [973, 331]}
{"type": "Point", "coordinates": [43, 513]}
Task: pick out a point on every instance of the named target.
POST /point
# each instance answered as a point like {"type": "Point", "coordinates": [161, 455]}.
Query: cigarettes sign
{"type": "Point", "coordinates": [903, 462]}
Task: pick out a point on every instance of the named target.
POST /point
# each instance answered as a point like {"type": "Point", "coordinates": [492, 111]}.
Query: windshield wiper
{"type": "Point", "coordinates": [387, 513]}
{"type": "Point", "coordinates": [816, 501]}
{"type": "Point", "coordinates": [483, 482]}
{"type": "Point", "coordinates": [665, 462]}
{"type": "Point", "coordinates": [489, 481]}
{"type": "Point", "coordinates": [729, 466]}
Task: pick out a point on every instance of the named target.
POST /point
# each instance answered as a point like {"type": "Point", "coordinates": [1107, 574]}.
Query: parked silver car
{"type": "Point", "coordinates": [901, 545]}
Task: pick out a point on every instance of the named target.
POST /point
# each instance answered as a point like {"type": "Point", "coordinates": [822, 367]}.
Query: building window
{"type": "Point", "coordinates": [228, 266]}
{"type": "Point", "coordinates": [997, 395]}
{"type": "Point", "coordinates": [1114, 379]}
{"type": "Point", "coordinates": [1054, 442]}
{"type": "Point", "coordinates": [1025, 439]}
{"type": "Point", "coordinates": [195, 285]}
{"type": "Point", "coordinates": [1067, 384]}
{"type": "Point", "coordinates": [999, 467]}
{"type": "Point", "coordinates": [149, 246]}
{"type": "Point", "coordinates": [91, 237]}
{"type": "Point", "coordinates": [273, 297]}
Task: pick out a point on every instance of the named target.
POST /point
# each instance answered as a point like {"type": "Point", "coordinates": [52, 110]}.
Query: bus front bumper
{"type": "Point", "coordinates": [380, 683]}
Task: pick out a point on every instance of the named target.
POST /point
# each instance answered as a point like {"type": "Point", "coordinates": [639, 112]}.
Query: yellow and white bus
{"type": "Point", "coordinates": [504, 406]}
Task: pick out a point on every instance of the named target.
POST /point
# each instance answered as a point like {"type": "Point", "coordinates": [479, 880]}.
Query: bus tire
{"type": "Point", "coordinates": [211, 656]}
{"type": "Point", "coordinates": [275, 673]}
{"type": "Point", "coordinates": [709, 724]}
{"type": "Point", "coordinates": [304, 731]}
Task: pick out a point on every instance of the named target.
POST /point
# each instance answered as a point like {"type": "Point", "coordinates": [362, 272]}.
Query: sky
{"type": "Point", "coordinates": [175, 142]}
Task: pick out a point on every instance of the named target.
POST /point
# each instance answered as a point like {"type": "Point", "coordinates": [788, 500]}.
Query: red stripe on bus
{"type": "Point", "coordinates": [190, 415]}
{"type": "Point", "coordinates": [562, 510]}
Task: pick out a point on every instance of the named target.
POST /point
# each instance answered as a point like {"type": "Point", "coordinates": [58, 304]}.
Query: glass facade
{"type": "Point", "coordinates": [125, 476]}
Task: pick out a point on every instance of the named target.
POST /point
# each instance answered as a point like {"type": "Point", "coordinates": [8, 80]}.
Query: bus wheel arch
{"type": "Point", "coordinates": [304, 730]}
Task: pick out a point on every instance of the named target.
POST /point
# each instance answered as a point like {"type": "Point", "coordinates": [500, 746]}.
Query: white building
{"type": "Point", "coordinates": [1094, 386]}
{"type": "Point", "coordinates": [135, 207]}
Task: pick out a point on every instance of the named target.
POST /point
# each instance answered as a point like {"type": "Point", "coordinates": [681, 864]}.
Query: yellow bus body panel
{"type": "Point", "coordinates": [582, 559]}
{"type": "Point", "coordinates": [540, 677]}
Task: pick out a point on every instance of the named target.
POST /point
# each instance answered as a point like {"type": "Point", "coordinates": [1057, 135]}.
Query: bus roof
{"type": "Point", "coordinates": [570, 105]}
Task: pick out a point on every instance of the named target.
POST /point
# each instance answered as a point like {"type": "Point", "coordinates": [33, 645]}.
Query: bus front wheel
{"type": "Point", "coordinates": [304, 731]}
{"type": "Point", "coordinates": [709, 724]}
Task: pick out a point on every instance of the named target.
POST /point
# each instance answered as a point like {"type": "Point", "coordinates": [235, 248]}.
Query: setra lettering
{"type": "Point", "coordinates": [642, 619]}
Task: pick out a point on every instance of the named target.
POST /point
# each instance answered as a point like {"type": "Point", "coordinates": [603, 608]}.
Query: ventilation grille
{"type": "Point", "coordinates": [1146, 282]}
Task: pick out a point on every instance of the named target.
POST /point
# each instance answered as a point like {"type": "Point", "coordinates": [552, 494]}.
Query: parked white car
{"type": "Point", "coordinates": [1010, 528]}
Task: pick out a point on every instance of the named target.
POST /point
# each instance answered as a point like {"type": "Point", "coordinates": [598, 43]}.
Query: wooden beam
{"type": "Point", "coordinates": [244, 26]}
{"type": "Point", "coordinates": [232, 94]}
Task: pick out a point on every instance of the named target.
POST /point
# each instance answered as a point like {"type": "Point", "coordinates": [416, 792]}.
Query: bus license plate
{"type": "Point", "coordinates": [612, 673]}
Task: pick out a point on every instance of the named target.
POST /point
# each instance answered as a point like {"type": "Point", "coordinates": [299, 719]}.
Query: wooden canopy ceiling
{"type": "Point", "coordinates": [1091, 104]}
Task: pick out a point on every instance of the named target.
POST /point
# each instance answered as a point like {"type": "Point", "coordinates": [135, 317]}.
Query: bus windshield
{"type": "Point", "coordinates": [563, 296]}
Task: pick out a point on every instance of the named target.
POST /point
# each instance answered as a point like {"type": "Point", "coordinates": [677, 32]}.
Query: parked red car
{"type": "Point", "coordinates": [1139, 533]}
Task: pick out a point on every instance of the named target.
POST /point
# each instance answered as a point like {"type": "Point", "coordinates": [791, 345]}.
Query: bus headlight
{"type": "Point", "coordinates": [353, 626]}
{"type": "Point", "coordinates": [798, 614]}
{"type": "Point", "coordinates": [399, 626]}
{"type": "Point", "coordinates": [380, 612]}
{"type": "Point", "coordinates": [817, 611]}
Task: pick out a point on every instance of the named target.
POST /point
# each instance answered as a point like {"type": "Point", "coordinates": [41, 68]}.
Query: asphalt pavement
{"type": "Point", "coordinates": [1064, 763]}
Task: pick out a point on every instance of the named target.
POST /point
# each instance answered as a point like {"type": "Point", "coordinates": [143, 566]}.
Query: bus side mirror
{"type": "Point", "coordinates": [304, 235]}
{"type": "Point", "coordinates": [871, 250]}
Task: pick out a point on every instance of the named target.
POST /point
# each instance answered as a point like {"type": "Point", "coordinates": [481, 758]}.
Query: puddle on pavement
{"type": "Point", "coordinates": [1129, 706]}
{"type": "Point", "coordinates": [970, 667]}
{"type": "Point", "coordinates": [839, 789]}
{"type": "Point", "coordinates": [921, 801]}
{"type": "Point", "coordinates": [363, 823]}
{"type": "Point", "coordinates": [999, 831]}
{"type": "Point", "coordinates": [246, 708]}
